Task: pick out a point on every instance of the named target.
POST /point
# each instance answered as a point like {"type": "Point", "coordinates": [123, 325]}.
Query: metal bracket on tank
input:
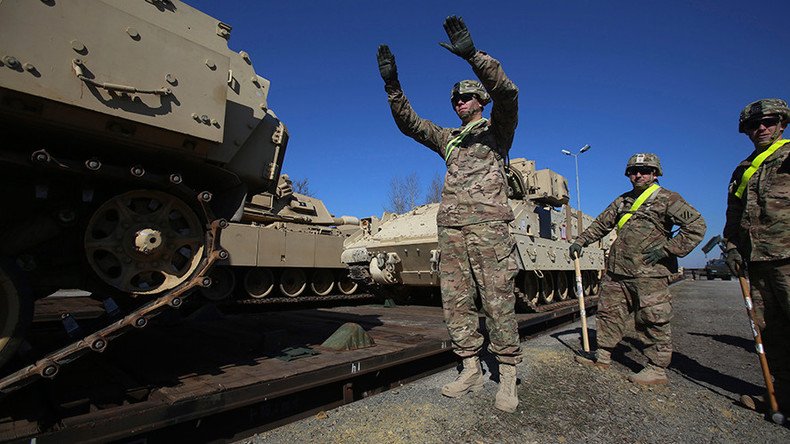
{"type": "Point", "coordinates": [78, 66]}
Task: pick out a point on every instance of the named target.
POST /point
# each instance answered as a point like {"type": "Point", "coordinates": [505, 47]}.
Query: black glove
{"type": "Point", "coordinates": [387, 68]}
{"type": "Point", "coordinates": [653, 256]}
{"type": "Point", "coordinates": [575, 250]}
{"type": "Point", "coordinates": [734, 261]}
{"type": "Point", "coordinates": [460, 40]}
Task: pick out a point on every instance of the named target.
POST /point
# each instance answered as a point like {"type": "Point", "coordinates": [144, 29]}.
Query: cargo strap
{"type": "Point", "coordinates": [637, 203]}
{"type": "Point", "coordinates": [455, 141]}
{"type": "Point", "coordinates": [756, 164]}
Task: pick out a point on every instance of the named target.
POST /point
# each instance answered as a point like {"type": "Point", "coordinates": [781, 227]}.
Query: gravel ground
{"type": "Point", "coordinates": [564, 402]}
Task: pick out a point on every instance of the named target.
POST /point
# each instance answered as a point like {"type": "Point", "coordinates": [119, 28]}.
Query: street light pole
{"type": "Point", "coordinates": [576, 162]}
{"type": "Point", "coordinates": [578, 187]}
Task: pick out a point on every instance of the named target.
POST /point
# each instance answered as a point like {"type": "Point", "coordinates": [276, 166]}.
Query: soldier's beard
{"type": "Point", "coordinates": [776, 135]}
{"type": "Point", "coordinates": [468, 114]}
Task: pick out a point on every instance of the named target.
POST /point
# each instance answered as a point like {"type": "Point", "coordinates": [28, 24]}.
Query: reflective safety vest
{"type": "Point", "coordinates": [637, 203]}
{"type": "Point", "coordinates": [756, 164]}
{"type": "Point", "coordinates": [455, 141]}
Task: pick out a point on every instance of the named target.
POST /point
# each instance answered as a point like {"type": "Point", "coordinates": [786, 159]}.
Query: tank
{"type": "Point", "coordinates": [129, 129]}
{"type": "Point", "coordinates": [286, 244]}
{"type": "Point", "coordinates": [400, 251]}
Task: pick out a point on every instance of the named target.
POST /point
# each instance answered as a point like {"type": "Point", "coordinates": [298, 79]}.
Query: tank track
{"type": "Point", "coordinates": [48, 366]}
{"type": "Point", "coordinates": [300, 299]}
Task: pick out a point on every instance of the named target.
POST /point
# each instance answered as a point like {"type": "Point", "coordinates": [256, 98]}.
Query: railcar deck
{"type": "Point", "coordinates": [193, 369]}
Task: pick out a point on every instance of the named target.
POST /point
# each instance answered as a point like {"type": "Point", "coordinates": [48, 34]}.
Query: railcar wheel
{"type": "Point", "coordinates": [293, 282]}
{"type": "Point", "coordinates": [322, 282]}
{"type": "Point", "coordinates": [259, 282]}
{"type": "Point", "coordinates": [561, 285]}
{"type": "Point", "coordinates": [345, 284]}
{"type": "Point", "coordinates": [16, 312]}
{"type": "Point", "coordinates": [547, 292]}
{"type": "Point", "coordinates": [144, 242]}
{"type": "Point", "coordinates": [223, 282]}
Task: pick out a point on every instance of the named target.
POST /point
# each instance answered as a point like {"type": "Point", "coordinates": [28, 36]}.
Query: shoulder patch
{"type": "Point", "coordinates": [682, 212]}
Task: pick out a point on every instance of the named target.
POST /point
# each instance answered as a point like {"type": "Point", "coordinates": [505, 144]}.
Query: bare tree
{"type": "Point", "coordinates": [434, 194]}
{"type": "Point", "coordinates": [302, 186]}
{"type": "Point", "coordinates": [403, 194]}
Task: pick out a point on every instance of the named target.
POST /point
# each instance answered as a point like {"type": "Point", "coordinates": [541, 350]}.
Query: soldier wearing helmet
{"type": "Point", "coordinates": [757, 232]}
{"type": "Point", "coordinates": [476, 245]}
{"type": "Point", "coordinates": [640, 260]}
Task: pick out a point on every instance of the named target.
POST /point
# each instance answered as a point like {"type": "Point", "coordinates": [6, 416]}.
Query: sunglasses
{"type": "Point", "coordinates": [463, 98]}
{"type": "Point", "coordinates": [765, 121]}
{"type": "Point", "coordinates": [641, 170]}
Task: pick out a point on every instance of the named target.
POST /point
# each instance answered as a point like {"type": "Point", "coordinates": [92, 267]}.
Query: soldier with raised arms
{"type": "Point", "coordinates": [757, 232]}
{"type": "Point", "coordinates": [640, 261]}
{"type": "Point", "coordinates": [477, 249]}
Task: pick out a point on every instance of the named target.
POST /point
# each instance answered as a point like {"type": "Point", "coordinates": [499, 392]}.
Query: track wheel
{"type": "Point", "coordinates": [322, 282]}
{"type": "Point", "coordinates": [586, 282]}
{"type": "Point", "coordinates": [561, 285]}
{"type": "Point", "coordinates": [595, 282]}
{"type": "Point", "coordinates": [547, 293]}
{"type": "Point", "coordinates": [292, 282]}
{"type": "Point", "coordinates": [223, 282]}
{"type": "Point", "coordinates": [16, 312]}
{"type": "Point", "coordinates": [530, 287]}
{"type": "Point", "coordinates": [259, 282]}
{"type": "Point", "coordinates": [345, 284]}
{"type": "Point", "coordinates": [144, 242]}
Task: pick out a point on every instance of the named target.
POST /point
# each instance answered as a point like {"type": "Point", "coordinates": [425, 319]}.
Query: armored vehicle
{"type": "Point", "coordinates": [717, 266]}
{"type": "Point", "coordinates": [401, 250]}
{"type": "Point", "coordinates": [286, 244]}
{"type": "Point", "coordinates": [130, 130]}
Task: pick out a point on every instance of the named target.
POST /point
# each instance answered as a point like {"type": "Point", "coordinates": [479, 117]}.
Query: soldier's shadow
{"type": "Point", "coordinates": [735, 341]}
{"type": "Point", "coordinates": [572, 339]}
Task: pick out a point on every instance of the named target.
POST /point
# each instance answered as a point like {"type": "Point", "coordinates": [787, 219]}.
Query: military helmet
{"type": "Point", "coordinates": [761, 108]}
{"type": "Point", "coordinates": [645, 160]}
{"type": "Point", "coordinates": [471, 87]}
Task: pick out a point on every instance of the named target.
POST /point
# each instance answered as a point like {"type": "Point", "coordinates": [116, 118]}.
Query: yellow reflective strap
{"type": "Point", "coordinates": [455, 141]}
{"type": "Point", "coordinates": [637, 203]}
{"type": "Point", "coordinates": [756, 164]}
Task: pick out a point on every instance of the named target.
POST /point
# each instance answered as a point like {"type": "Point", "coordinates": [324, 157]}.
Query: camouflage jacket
{"type": "Point", "coordinates": [758, 224]}
{"type": "Point", "coordinates": [475, 187]}
{"type": "Point", "coordinates": [650, 227]}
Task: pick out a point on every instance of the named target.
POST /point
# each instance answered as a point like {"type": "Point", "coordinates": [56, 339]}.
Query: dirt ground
{"type": "Point", "coordinates": [564, 402]}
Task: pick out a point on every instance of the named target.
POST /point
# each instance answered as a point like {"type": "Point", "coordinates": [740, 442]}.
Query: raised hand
{"type": "Point", "coordinates": [460, 40]}
{"type": "Point", "coordinates": [387, 68]}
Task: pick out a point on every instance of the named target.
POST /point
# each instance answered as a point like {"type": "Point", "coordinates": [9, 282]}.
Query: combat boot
{"type": "Point", "coordinates": [602, 360]}
{"type": "Point", "coordinates": [506, 397]}
{"type": "Point", "coordinates": [650, 375]}
{"type": "Point", "coordinates": [469, 380]}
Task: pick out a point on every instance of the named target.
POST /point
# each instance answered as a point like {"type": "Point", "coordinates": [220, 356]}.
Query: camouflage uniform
{"type": "Point", "coordinates": [758, 225]}
{"type": "Point", "coordinates": [477, 250]}
{"type": "Point", "coordinates": [639, 290]}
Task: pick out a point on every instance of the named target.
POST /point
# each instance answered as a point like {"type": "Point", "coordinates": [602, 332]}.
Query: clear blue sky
{"type": "Point", "coordinates": [668, 77]}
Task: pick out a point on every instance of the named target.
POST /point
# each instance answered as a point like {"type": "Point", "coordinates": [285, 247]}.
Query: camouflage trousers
{"type": "Point", "coordinates": [479, 260]}
{"type": "Point", "coordinates": [647, 303]}
{"type": "Point", "coordinates": [770, 283]}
